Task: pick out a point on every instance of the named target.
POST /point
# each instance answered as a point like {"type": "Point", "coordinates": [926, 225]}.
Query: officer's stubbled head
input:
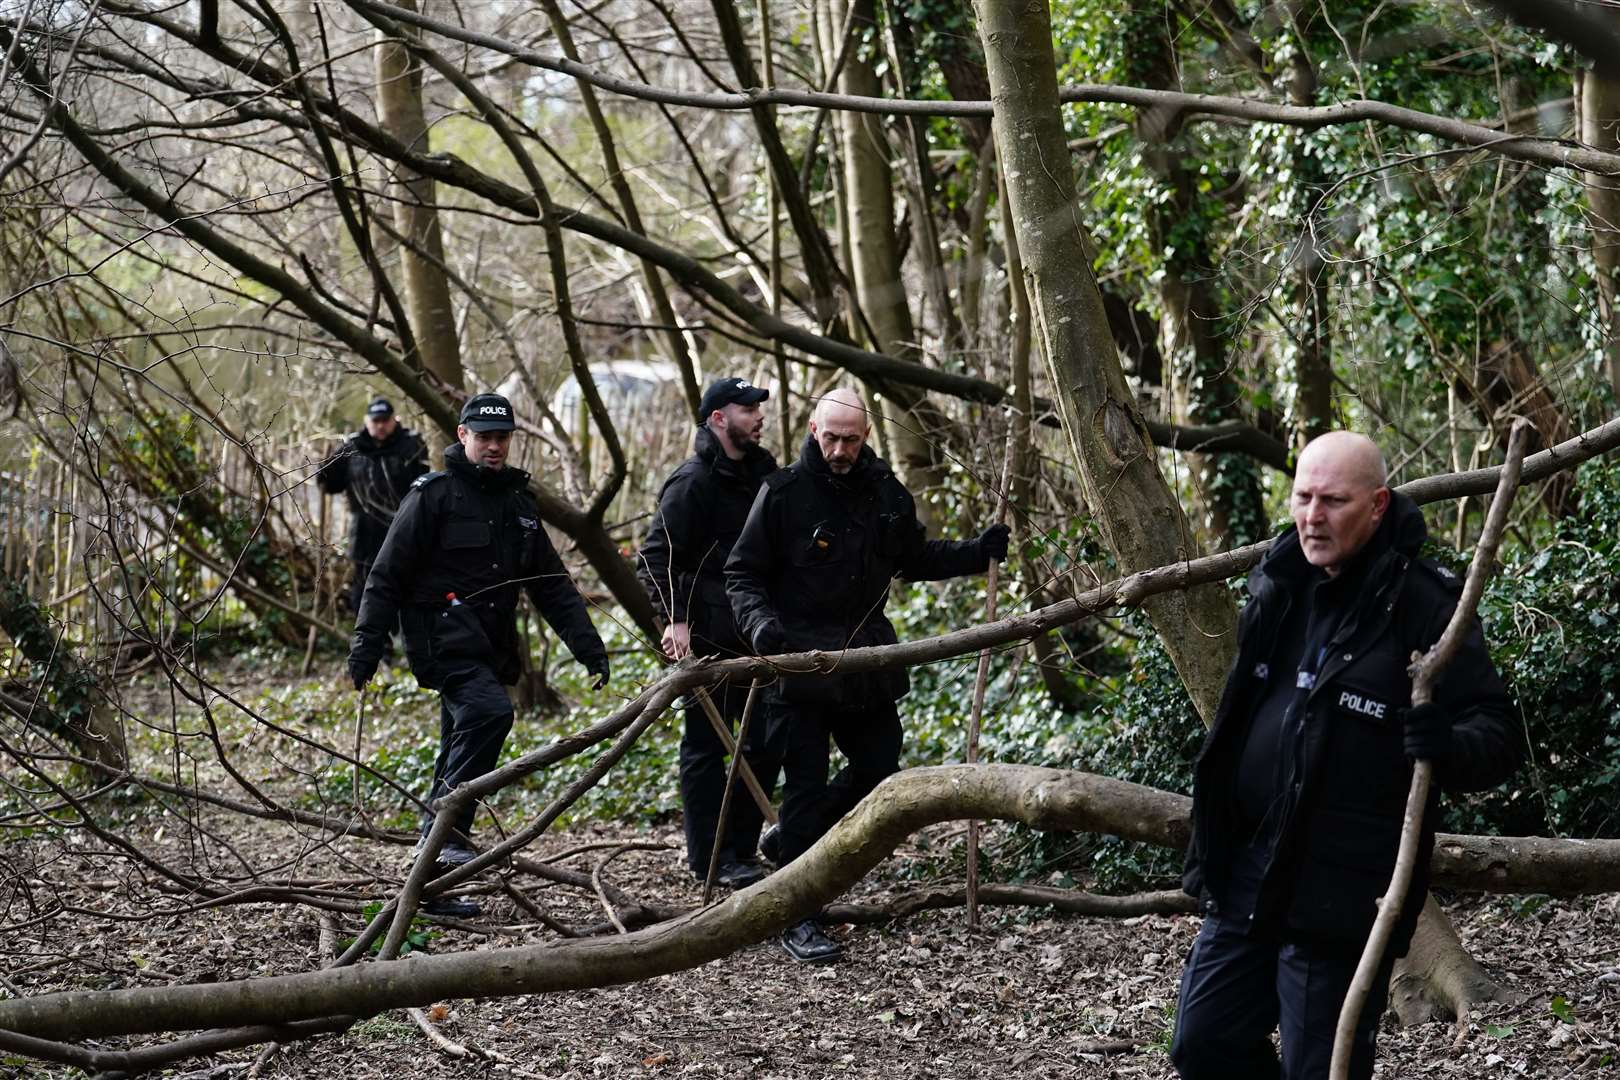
{"type": "Point", "coordinates": [1340, 496]}
{"type": "Point", "coordinates": [839, 426]}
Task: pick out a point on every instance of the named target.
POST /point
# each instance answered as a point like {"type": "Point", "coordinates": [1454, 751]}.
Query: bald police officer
{"type": "Point", "coordinates": [464, 541]}
{"type": "Point", "coordinates": [811, 570]}
{"type": "Point", "coordinates": [1300, 791]}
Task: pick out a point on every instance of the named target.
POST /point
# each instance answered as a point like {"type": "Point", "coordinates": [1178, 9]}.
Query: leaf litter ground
{"type": "Point", "coordinates": [1030, 994]}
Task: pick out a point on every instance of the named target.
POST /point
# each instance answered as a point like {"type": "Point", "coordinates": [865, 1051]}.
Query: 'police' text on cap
{"type": "Point", "coordinates": [488, 412]}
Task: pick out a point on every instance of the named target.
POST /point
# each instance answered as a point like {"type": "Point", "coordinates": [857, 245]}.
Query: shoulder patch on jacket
{"type": "Point", "coordinates": [781, 478]}
{"type": "Point", "coordinates": [427, 478]}
{"type": "Point", "coordinates": [1447, 578]}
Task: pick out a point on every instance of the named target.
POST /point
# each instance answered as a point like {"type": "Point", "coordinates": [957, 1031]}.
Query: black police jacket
{"type": "Point", "coordinates": [474, 532]}
{"type": "Point", "coordinates": [813, 564]}
{"type": "Point", "coordinates": [375, 476]}
{"type": "Point", "coordinates": [701, 510]}
{"type": "Point", "coordinates": [1330, 845]}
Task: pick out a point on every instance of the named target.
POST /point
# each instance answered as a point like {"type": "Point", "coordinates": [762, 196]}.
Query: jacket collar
{"type": "Point", "coordinates": [1399, 535]}
{"type": "Point", "coordinates": [480, 476]}
{"type": "Point", "coordinates": [756, 460]}
{"type": "Point", "coordinates": [868, 466]}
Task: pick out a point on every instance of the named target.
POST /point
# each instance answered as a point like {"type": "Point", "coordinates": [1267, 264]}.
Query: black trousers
{"type": "Point", "coordinates": [1238, 989]}
{"type": "Point", "coordinates": [703, 779]}
{"type": "Point", "coordinates": [811, 804]}
{"type": "Point", "coordinates": [475, 716]}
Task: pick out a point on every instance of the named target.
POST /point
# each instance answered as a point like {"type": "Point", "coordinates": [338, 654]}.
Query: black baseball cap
{"type": "Point", "coordinates": [730, 391]}
{"type": "Point", "coordinates": [380, 408]}
{"type": "Point", "coordinates": [487, 412]}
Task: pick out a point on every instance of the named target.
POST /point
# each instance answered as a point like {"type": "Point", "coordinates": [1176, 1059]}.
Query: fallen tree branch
{"type": "Point", "coordinates": [1047, 799]}
{"type": "Point", "coordinates": [1068, 901]}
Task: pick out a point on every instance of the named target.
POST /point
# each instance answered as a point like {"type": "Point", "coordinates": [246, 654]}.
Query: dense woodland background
{"type": "Point", "coordinates": [224, 227]}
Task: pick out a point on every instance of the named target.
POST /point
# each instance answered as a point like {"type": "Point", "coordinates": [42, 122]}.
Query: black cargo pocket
{"type": "Point", "coordinates": [458, 635]}
{"type": "Point", "coordinates": [462, 535]}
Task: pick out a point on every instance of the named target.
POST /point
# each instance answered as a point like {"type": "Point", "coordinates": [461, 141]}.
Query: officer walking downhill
{"type": "Point", "coordinates": [374, 467]}
{"type": "Point", "coordinates": [701, 509]}
{"type": "Point", "coordinates": [1300, 791]}
{"type": "Point", "coordinates": [463, 543]}
{"type": "Point", "coordinates": [811, 570]}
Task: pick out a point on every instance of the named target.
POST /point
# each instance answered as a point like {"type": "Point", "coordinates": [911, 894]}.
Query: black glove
{"type": "Point", "coordinates": [1428, 733]}
{"type": "Point", "coordinates": [768, 640]}
{"type": "Point", "coordinates": [993, 542]}
{"type": "Point", "coordinates": [361, 671]}
{"type": "Point", "coordinates": [598, 667]}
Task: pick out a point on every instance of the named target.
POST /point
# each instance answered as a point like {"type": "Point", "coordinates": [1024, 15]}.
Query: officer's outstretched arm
{"type": "Point", "coordinates": [333, 475]}
{"type": "Point", "coordinates": [923, 559]}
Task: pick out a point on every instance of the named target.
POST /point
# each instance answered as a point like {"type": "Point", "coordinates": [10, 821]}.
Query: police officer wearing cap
{"type": "Point", "coordinates": [811, 570]}
{"type": "Point", "coordinates": [462, 544]}
{"type": "Point", "coordinates": [701, 509]}
{"type": "Point", "coordinates": [1300, 791]}
{"type": "Point", "coordinates": [374, 467]}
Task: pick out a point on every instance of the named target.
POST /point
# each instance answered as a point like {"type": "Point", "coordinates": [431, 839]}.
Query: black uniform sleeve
{"type": "Point", "coordinates": [922, 559]}
{"type": "Point", "coordinates": [333, 475]}
{"type": "Point", "coordinates": [563, 608]}
{"type": "Point", "coordinates": [754, 562]}
{"type": "Point", "coordinates": [665, 563]}
{"type": "Point", "coordinates": [1487, 741]}
{"type": "Point", "coordinates": [405, 550]}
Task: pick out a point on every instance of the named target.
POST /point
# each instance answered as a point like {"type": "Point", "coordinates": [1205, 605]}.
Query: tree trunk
{"type": "Point", "coordinates": [664, 312]}
{"type": "Point", "coordinates": [1598, 98]}
{"type": "Point", "coordinates": [875, 263]}
{"type": "Point", "coordinates": [1141, 521]}
{"type": "Point", "coordinates": [1313, 350]}
{"type": "Point", "coordinates": [1437, 979]}
{"type": "Point", "coordinates": [416, 213]}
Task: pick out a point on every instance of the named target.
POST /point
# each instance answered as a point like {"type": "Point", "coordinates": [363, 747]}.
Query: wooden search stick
{"type": "Point", "coordinates": [737, 765]}
{"type": "Point", "coordinates": [1425, 671]}
{"type": "Point", "coordinates": [979, 682]}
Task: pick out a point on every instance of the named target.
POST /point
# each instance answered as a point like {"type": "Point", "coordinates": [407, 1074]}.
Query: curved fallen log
{"type": "Point", "coordinates": [1050, 799]}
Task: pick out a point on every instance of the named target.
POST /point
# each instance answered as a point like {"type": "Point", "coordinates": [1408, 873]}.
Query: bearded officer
{"type": "Point", "coordinates": [701, 509]}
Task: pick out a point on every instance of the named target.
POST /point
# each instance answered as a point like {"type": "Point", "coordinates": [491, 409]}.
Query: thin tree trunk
{"type": "Point", "coordinates": [416, 213]}
{"type": "Point", "coordinates": [664, 312]}
{"type": "Point", "coordinates": [1598, 97]}
{"type": "Point", "coordinates": [1140, 519]}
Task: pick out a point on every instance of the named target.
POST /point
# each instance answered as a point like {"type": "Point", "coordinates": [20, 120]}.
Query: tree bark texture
{"type": "Point", "coordinates": [1598, 97]}
{"type": "Point", "coordinates": [416, 213]}
{"type": "Point", "coordinates": [1140, 518]}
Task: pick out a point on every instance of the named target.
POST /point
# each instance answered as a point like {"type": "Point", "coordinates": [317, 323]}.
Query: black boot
{"type": "Point", "coordinates": [807, 943]}
{"type": "Point", "coordinates": [770, 845]}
